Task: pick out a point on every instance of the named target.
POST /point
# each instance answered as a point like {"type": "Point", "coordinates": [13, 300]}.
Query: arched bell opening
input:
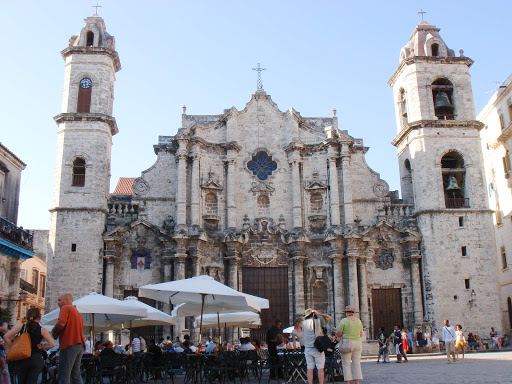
{"type": "Point", "coordinates": [442, 94]}
{"type": "Point", "coordinates": [454, 179]}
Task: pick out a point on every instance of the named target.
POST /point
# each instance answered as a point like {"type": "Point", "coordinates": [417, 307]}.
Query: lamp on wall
{"type": "Point", "coordinates": [472, 299]}
{"type": "Point", "coordinates": [11, 303]}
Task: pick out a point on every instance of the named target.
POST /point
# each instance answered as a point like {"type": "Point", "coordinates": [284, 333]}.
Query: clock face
{"type": "Point", "coordinates": [85, 83]}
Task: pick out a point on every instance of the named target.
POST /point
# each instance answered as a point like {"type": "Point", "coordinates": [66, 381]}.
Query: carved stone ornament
{"type": "Point", "coordinates": [265, 254]}
{"type": "Point", "coordinates": [381, 189]}
{"type": "Point", "coordinates": [384, 259]}
{"type": "Point", "coordinates": [140, 186]}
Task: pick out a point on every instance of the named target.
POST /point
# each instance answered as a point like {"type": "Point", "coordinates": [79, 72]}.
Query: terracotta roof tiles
{"type": "Point", "coordinates": [124, 186]}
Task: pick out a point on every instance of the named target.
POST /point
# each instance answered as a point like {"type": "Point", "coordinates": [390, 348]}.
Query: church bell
{"type": "Point", "coordinates": [452, 184]}
{"type": "Point", "coordinates": [442, 101]}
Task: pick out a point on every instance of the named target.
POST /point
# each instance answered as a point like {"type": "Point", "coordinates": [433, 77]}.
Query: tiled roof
{"type": "Point", "coordinates": [124, 186]}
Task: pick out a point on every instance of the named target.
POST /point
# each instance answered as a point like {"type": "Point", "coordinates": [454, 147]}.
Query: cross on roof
{"type": "Point", "coordinates": [259, 70]}
{"type": "Point", "coordinates": [422, 12]}
{"type": "Point", "coordinates": [96, 6]}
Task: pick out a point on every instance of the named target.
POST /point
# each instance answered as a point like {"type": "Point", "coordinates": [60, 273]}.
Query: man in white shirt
{"type": "Point", "coordinates": [449, 341]}
{"type": "Point", "coordinates": [88, 345]}
{"type": "Point", "coordinates": [136, 344]}
{"type": "Point", "coordinates": [247, 345]}
{"type": "Point", "coordinates": [312, 328]}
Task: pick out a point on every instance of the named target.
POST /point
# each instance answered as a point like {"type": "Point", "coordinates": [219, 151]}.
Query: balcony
{"type": "Point", "coordinates": [457, 203]}
{"type": "Point", "coordinates": [16, 235]}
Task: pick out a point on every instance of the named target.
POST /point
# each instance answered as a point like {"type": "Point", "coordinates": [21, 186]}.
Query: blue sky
{"type": "Point", "coordinates": [319, 55]}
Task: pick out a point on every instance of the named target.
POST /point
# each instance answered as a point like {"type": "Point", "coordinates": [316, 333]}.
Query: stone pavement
{"type": "Point", "coordinates": [490, 367]}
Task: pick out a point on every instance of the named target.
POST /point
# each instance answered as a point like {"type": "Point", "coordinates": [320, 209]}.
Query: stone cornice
{"type": "Point", "coordinates": [83, 209]}
{"type": "Point", "coordinates": [15, 160]}
{"type": "Point", "coordinates": [436, 124]}
{"type": "Point", "coordinates": [505, 134]}
{"type": "Point", "coordinates": [452, 210]}
{"type": "Point", "coordinates": [63, 117]}
{"type": "Point", "coordinates": [94, 51]}
{"type": "Point", "coordinates": [428, 59]}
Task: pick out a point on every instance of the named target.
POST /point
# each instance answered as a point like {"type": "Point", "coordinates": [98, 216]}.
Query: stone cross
{"type": "Point", "coordinates": [96, 6]}
{"type": "Point", "coordinates": [422, 12]}
{"type": "Point", "coordinates": [259, 70]}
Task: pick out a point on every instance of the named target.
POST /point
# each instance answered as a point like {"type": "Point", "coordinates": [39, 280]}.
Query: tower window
{"type": "Point", "coordinates": [403, 107]}
{"type": "Point", "coordinates": [454, 177]}
{"type": "Point", "coordinates": [442, 93]}
{"type": "Point", "coordinates": [502, 119]}
{"type": "Point", "coordinates": [435, 49]}
{"type": "Point", "coordinates": [84, 96]}
{"type": "Point", "coordinates": [78, 173]}
{"type": "Point", "coordinates": [461, 221]}
{"type": "Point", "coordinates": [90, 39]}
{"type": "Point", "coordinates": [467, 283]}
{"type": "Point", "coordinates": [73, 247]}
{"type": "Point", "coordinates": [507, 167]}
{"type": "Point", "coordinates": [503, 258]}
{"type": "Point", "coordinates": [464, 251]}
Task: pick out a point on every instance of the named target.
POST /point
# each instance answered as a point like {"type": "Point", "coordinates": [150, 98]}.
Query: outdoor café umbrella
{"type": "Point", "coordinates": [201, 290]}
{"type": "Point", "coordinates": [99, 312]}
{"type": "Point", "coordinates": [234, 319]}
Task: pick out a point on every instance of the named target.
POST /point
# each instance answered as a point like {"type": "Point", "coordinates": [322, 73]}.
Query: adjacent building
{"type": "Point", "coordinates": [496, 139]}
{"type": "Point", "coordinates": [15, 242]}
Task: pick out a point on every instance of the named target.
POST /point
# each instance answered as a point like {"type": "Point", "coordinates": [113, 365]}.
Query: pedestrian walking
{"type": "Point", "coordinates": [420, 340]}
{"type": "Point", "coordinates": [383, 339]}
{"type": "Point", "coordinates": [396, 336]}
{"type": "Point", "coordinates": [28, 369]}
{"type": "Point", "coordinates": [70, 331]}
{"type": "Point", "coordinates": [435, 340]}
{"type": "Point", "coordinates": [312, 328]}
{"type": "Point", "coordinates": [449, 341]}
{"type": "Point", "coordinates": [351, 330]}
{"type": "Point", "coordinates": [460, 341]}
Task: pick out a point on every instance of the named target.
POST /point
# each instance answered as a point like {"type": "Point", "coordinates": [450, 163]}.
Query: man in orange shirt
{"type": "Point", "coordinates": [70, 331]}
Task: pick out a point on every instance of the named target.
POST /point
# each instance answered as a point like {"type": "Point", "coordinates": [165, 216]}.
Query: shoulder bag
{"type": "Point", "coordinates": [345, 343]}
{"type": "Point", "coordinates": [324, 342]}
{"type": "Point", "coordinates": [21, 347]}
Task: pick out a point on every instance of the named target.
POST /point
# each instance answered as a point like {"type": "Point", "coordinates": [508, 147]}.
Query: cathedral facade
{"type": "Point", "coordinates": [281, 205]}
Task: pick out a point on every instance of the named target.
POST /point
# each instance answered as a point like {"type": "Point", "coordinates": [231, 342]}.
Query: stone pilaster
{"type": "Point", "coordinates": [347, 185]}
{"type": "Point", "coordinates": [179, 274]}
{"type": "Point", "coordinates": [296, 191]}
{"type": "Point", "coordinates": [196, 255]}
{"type": "Point", "coordinates": [416, 289]}
{"type": "Point", "coordinates": [339, 297]}
{"type": "Point", "coordinates": [333, 187]}
{"type": "Point", "coordinates": [298, 280]}
{"type": "Point", "coordinates": [109, 276]}
{"type": "Point", "coordinates": [230, 191]}
{"type": "Point", "coordinates": [194, 190]}
{"type": "Point", "coordinates": [353, 289]}
{"type": "Point", "coordinates": [363, 295]}
{"type": "Point", "coordinates": [181, 193]}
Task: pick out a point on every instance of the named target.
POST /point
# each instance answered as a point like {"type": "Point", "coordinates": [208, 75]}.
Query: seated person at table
{"type": "Point", "coordinates": [108, 349]}
{"type": "Point", "coordinates": [264, 345]}
{"type": "Point", "coordinates": [213, 346]}
{"type": "Point", "coordinates": [290, 345]}
{"type": "Point", "coordinates": [256, 343]}
{"type": "Point", "coordinates": [187, 347]}
{"type": "Point", "coordinates": [281, 343]}
{"type": "Point", "coordinates": [178, 348]}
{"type": "Point", "coordinates": [98, 347]}
{"type": "Point", "coordinates": [247, 345]}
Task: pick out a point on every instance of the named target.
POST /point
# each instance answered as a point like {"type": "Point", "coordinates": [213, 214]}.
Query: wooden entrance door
{"type": "Point", "coordinates": [272, 284]}
{"type": "Point", "coordinates": [386, 309]}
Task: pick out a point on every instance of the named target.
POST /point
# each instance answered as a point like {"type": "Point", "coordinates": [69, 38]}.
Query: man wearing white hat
{"type": "Point", "coordinates": [312, 328]}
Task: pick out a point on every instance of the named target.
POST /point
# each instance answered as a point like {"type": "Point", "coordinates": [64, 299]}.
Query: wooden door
{"type": "Point", "coordinates": [272, 284]}
{"type": "Point", "coordinates": [386, 309]}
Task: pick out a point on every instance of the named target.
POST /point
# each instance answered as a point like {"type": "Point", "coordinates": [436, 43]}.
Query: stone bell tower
{"type": "Point", "coordinates": [82, 172]}
{"type": "Point", "coordinates": [441, 169]}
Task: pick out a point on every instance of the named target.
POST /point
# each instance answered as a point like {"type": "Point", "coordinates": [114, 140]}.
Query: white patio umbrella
{"type": "Point", "coordinates": [99, 312]}
{"type": "Point", "coordinates": [154, 316]}
{"type": "Point", "coordinates": [201, 290]}
{"type": "Point", "coordinates": [234, 319]}
{"type": "Point", "coordinates": [289, 329]}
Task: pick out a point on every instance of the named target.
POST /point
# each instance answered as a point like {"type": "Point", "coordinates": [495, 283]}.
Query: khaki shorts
{"type": "Point", "coordinates": [314, 358]}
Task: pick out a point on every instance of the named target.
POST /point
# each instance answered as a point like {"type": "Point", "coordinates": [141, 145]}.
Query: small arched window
{"type": "Point", "coordinates": [84, 96]}
{"type": "Point", "coordinates": [454, 179]}
{"type": "Point", "coordinates": [442, 94]}
{"type": "Point", "coordinates": [435, 49]}
{"type": "Point", "coordinates": [78, 172]}
{"type": "Point", "coordinates": [90, 39]}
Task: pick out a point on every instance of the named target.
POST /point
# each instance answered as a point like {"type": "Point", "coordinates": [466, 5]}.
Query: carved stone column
{"type": "Point", "coordinates": [109, 276]}
{"type": "Point", "coordinates": [363, 295]}
{"type": "Point", "coordinates": [296, 191]}
{"type": "Point", "coordinates": [233, 259]}
{"type": "Point", "coordinates": [416, 289]}
{"type": "Point", "coordinates": [339, 298]}
{"type": "Point", "coordinates": [230, 191]}
{"type": "Point", "coordinates": [353, 289]}
{"type": "Point", "coordinates": [347, 184]}
{"type": "Point", "coordinates": [179, 274]}
{"type": "Point", "coordinates": [194, 190]}
{"type": "Point", "coordinates": [181, 193]}
{"type": "Point", "coordinates": [298, 276]}
{"type": "Point", "coordinates": [333, 187]}
{"type": "Point", "coordinates": [196, 255]}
